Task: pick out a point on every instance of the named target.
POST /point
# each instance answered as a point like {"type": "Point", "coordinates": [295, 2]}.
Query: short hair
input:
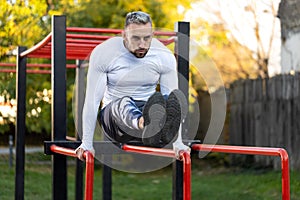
{"type": "Point", "coordinates": [137, 17]}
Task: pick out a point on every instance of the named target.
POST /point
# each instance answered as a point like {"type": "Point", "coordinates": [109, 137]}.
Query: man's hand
{"type": "Point", "coordinates": [80, 151]}
{"type": "Point", "coordinates": [179, 146]}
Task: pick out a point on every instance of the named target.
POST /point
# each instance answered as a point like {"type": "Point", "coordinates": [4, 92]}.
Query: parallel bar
{"type": "Point", "coordinates": [20, 124]}
{"type": "Point", "coordinates": [89, 159]}
{"type": "Point", "coordinates": [285, 179]}
{"type": "Point", "coordinates": [149, 151]}
{"type": "Point", "coordinates": [184, 156]}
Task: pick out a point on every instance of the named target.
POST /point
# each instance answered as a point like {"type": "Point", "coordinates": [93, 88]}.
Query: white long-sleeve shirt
{"type": "Point", "coordinates": [114, 72]}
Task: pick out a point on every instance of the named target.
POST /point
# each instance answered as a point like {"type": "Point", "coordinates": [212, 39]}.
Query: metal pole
{"type": "Point", "coordinates": [106, 177]}
{"type": "Point", "coordinates": [182, 55]}
{"type": "Point", "coordinates": [20, 124]}
{"type": "Point", "coordinates": [79, 95]}
{"type": "Point", "coordinates": [58, 106]}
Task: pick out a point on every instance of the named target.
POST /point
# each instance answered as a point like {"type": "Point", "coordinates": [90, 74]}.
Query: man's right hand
{"type": "Point", "coordinates": [79, 153]}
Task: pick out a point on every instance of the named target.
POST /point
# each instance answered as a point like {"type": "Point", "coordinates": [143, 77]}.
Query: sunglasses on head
{"type": "Point", "coordinates": [137, 17]}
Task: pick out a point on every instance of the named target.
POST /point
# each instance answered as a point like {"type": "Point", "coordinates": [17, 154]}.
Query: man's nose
{"type": "Point", "coordinates": [142, 43]}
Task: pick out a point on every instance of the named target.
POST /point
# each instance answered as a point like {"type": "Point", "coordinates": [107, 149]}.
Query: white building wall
{"type": "Point", "coordinates": [290, 54]}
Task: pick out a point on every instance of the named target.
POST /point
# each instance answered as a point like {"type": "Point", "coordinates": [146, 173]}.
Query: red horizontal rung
{"type": "Point", "coordinates": [184, 156]}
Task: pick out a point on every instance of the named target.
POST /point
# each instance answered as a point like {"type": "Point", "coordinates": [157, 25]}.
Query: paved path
{"type": "Point", "coordinates": [5, 150]}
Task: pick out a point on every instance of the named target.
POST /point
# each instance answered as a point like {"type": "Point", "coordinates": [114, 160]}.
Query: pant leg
{"type": "Point", "coordinates": [117, 119]}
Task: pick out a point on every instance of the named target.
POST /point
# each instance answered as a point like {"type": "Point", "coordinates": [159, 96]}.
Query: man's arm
{"type": "Point", "coordinates": [96, 84]}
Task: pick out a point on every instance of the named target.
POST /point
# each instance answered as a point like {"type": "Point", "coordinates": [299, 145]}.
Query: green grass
{"type": "Point", "coordinates": [208, 182]}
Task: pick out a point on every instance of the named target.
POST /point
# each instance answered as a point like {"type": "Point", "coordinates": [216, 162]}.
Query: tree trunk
{"type": "Point", "coordinates": [289, 14]}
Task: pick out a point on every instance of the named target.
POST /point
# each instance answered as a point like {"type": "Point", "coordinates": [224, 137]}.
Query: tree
{"type": "Point", "coordinates": [223, 36]}
{"type": "Point", "coordinates": [215, 48]}
{"type": "Point", "coordinates": [21, 24]}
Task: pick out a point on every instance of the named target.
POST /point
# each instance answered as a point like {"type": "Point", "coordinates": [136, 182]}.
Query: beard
{"type": "Point", "coordinates": [140, 53]}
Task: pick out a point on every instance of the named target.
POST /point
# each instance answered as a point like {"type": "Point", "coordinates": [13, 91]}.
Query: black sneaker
{"type": "Point", "coordinates": [154, 114]}
{"type": "Point", "coordinates": [176, 109]}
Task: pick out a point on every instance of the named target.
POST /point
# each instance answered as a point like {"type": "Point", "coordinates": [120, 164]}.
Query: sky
{"type": "Point", "coordinates": [240, 21]}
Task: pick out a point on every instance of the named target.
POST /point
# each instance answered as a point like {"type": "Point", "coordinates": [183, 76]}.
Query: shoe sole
{"type": "Point", "coordinates": [154, 114]}
{"type": "Point", "coordinates": [176, 109]}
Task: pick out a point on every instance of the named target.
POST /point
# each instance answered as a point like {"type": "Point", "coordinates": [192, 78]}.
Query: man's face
{"type": "Point", "coordinates": [137, 38]}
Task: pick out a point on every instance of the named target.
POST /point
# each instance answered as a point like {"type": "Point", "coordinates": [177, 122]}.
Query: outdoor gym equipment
{"type": "Point", "coordinates": [61, 46]}
{"type": "Point", "coordinates": [69, 43]}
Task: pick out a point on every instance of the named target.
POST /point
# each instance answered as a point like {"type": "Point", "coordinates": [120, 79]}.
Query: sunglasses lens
{"type": "Point", "coordinates": [137, 17]}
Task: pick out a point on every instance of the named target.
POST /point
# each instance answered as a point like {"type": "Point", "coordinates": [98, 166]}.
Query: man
{"type": "Point", "coordinates": [123, 74]}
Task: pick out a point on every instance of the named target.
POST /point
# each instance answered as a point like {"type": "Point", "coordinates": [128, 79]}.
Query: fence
{"type": "Point", "coordinates": [266, 112]}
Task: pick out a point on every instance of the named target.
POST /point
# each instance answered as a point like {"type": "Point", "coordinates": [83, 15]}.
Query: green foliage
{"type": "Point", "coordinates": [38, 106]}
{"type": "Point", "coordinates": [21, 25]}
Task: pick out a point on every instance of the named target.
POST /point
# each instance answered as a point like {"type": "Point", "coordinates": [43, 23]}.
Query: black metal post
{"type": "Point", "coordinates": [79, 101]}
{"type": "Point", "coordinates": [58, 106]}
{"type": "Point", "coordinates": [20, 123]}
{"type": "Point", "coordinates": [106, 177]}
{"type": "Point", "coordinates": [106, 182]}
{"type": "Point", "coordinates": [182, 53]}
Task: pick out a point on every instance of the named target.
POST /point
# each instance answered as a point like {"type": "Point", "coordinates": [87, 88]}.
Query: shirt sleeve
{"type": "Point", "coordinates": [96, 85]}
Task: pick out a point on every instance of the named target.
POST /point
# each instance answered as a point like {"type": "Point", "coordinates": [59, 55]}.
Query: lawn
{"type": "Point", "coordinates": [208, 182]}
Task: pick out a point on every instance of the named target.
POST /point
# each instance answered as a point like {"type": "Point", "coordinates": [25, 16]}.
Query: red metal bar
{"type": "Point", "coordinates": [38, 46]}
{"type": "Point", "coordinates": [94, 30]}
{"type": "Point", "coordinates": [285, 177]}
{"type": "Point", "coordinates": [8, 64]}
{"type": "Point", "coordinates": [89, 159]}
{"type": "Point", "coordinates": [184, 156]}
{"type": "Point", "coordinates": [81, 41]}
{"type": "Point", "coordinates": [89, 171]}
{"type": "Point", "coordinates": [186, 159]}
{"type": "Point", "coordinates": [29, 71]}
{"type": "Point", "coordinates": [89, 37]}
{"type": "Point", "coordinates": [165, 33]}
{"type": "Point", "coordinates": [42, 65]}
{"type": "Point", "coordinates": [149, 151]}
{"type": "Point", "coordinates": [113, 31]}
